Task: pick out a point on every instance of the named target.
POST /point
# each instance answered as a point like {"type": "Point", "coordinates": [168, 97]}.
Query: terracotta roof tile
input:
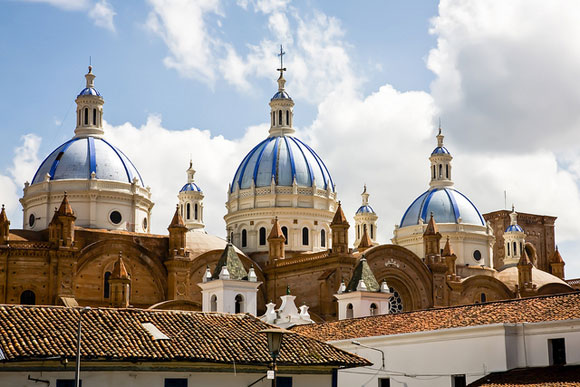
{"type": "Point", "coordinates": [40, 332]}
{"type": "Point", "coordinates": [533, 309]}
{"type": "Point", "coordinates": [553, 376]}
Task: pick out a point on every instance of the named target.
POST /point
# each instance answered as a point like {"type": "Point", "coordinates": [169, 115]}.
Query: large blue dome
{"type": "Point", "coordinates": [447, 206]}
{"type": "Point", "coordinates": [79, 157]}
{"type": "Point", "coordinates": [284, 158]}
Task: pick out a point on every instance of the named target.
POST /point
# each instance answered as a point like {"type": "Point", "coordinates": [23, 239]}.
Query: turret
{"type": "Point", "coordinates": [276, 241]}
{"type": "Point", "coordinates": [120, 284]}
{"type": "Point", "coordinates": [339, 227]}
{"type": "Point", "coordinates": [525, 284]}
{"type": "Point", "coordinates": [89, 109]}
{"type": "Point", "coordinates": [557, 264]}
{"type": "Point", "coordinates": [514, 240]}
{"type": "Point", "coordinates": [365, 242]}
{"type": "Point", "coordinates": [432, 241]}
{"type": "Point", "coordinates": [4, 227]}
{"type": "Point", "coordinates": [363, 296]}
{"type": "Point", "coordinates": [61, 229]}
{"type": "Point", "coordinates": [177, 231]}
{"type": "Point", "coordinates": [191, 202]}
{"type": "Point", "coordinates": [365, 219]}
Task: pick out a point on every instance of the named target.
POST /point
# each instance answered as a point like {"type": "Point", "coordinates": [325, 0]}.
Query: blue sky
{"type": "Point", "coordinates": [370, 81]}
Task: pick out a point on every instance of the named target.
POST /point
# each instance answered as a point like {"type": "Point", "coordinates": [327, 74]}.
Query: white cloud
{"type": "Point", "coordinates": [102, 14]}
{"type": "Point", "coordinates": [100, 11]}
{"type": "Point", "coordinates": [25, 161]}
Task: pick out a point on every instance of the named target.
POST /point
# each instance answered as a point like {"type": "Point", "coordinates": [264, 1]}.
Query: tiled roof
{"type": "Point", "coordinates": [41, 332]}
{"type": "Point", "coordinates": [363, 272]}
{"type": "Point", "coordinates": [533, 309]}
{"type": "Point", "coordinates": [553, 376]}
{"type": "Point", "coordinates": [230, 259]}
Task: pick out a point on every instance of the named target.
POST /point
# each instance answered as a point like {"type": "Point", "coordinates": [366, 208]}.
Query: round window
{"type": "Point", "coordinates": [144, 224]}
{"type": "Point", "coordinates": [115, 217]}
{"type": "Point", "coordinates": [31, 220]}
{"type": "Point", "coordinates": [477, 255]}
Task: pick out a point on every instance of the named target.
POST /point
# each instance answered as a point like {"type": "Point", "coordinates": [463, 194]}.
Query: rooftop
{"type": "Point", "coordinates": [533, 309]}
{"type": "Point", "coordinates": [42, 332]}
{"type": "Point", "coordinates": [553, 376]}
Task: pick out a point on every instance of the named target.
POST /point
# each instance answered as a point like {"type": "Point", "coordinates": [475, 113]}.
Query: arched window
{"type": "Point", "coordinates": [515, 248]}
{"type": "Point", "coordinates": [287, 117]}
{"type": "Point", "coordinates": [279, 117]}
{"type": "Point", "coordinates": [232, 237]}
{"type": "Point", "coordinates": [349, 311]}
{"type": "Point", "coordinates": [434, 172]}
{"type": "Point", "coordinates": [285, 232]}
{"type": "Point", "coordinates": [372, 232]}
{"type": "Point", "coordinates": [28, 297]}
{"type": "Point", "coordinates": [358, 231]}
{"type": "Point", "coordinates": [305, 236]}
{"type": "Point", "coordinates": [322, 238]}
{"type": "Point", "coordinates": [440, 170]}
{"type": "Point", "coordinates": [94, 116]}
{"type": "Point", "coordinates": [86, 116]}
{"type": "Point", "coordinates": [106, 285]}
{"type": "Point", "coordinates": [483, 297]}
{"type": "Point", "coordinates": [195, 211]}
{"type": "Point", "coordinates": [447, 171]}
{"type": "Point", "coordinates": [187, 211]}
{"type": "Point", "coordinates": [213, 303]}
{"type": "Point", "coordinates": [239, 308]}
{"type": "Point", "coordinates": [244, 238]}
{"type": "Point", "coordinates": [373, 309]}
{"type": "Point", "coordinates": [262, 236]}
{"type": "Point", "coordinates": [508, 249]}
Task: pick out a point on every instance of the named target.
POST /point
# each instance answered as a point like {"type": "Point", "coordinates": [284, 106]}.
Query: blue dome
{"type": "Point", "coordinates": [190, 187]}
{"type": "Point", "coordinates": [89, 91]}
{"type": "Point", "coordinates": [79, 157]}
{"type": "Point", "coordinates": [440, 150]}
{"type": "Point", "coordinates": [365, 210]}
{"type": "Point", "coordinates": [281, 95]}
{"type": "Point", "coordinates": [284, 158]}
{"type": "Point", "coordinates": [447, 205]}
{"type": "Point", "coordinates": [514, 227]}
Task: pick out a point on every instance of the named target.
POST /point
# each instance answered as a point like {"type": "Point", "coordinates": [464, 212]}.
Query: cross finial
{"type": "Point", "coordinates": [281, 55]}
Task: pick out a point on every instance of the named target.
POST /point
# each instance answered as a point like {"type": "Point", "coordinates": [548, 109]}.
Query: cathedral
{"type": "Point", "coordinates": [86, 236]}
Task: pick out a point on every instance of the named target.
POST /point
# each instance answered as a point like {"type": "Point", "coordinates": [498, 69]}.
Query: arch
{"type": "Point", "coordinates": [195, 211]}
{"type": "Point", "coordinates": [86, 116]}
{"type": "Point", "coordinates": [532, 253]}
{"type": "Point", "coordinates": [28, 297]}
{"type": "Point", "coordinates": [508, 249]}
{"type": "Point", "coordinates": [493, 289]}
{"type": "Point", "coordinates": [285, 232]}
{"type": "Point", "coordinates": [405, 272]}
{"type": "Point", "coordinates": [262, 233]}
{"type": "Point", "coordinates": [244, 238]}
{"type": "Point", "coordinates": [305, 235]}
{"type": "Point", "coordinates": [279, 117]}
{"type": "Point", "coordinates": [482, 298]}
{"type": "Point", "coordinates": [187, 211]}
{"type": "Point", "coordinates": [434, 174]}
{"type": "Point", "coordinates": [447, 171]}
{"type": "Point", "coordinates": [94, 116]}
{"type": "Point", "coordinates": [554, 288]}
{"type": "Point", "coordinates": [349, 311]}
{"type": "Point", "coordinates": [440, 170]}
{"type": "Point", "coordinates": [322, 238]}
{"type": "Point", "coordinates": [287, 118]}
{"type": "Point", "coordinates": [106, 285]}
{"type": "Point", "coordinates": [213, 303]}
{"type": "Point", "coordinates": [515, 247]}
{"type": "Point", "coordinates": [239, 306]}
{"type": "Point", "coordinates": [177, 305]}
{"type": "Point", "coordinates": [373, 309]}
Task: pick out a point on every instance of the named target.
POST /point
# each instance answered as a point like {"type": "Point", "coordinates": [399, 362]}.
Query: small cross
{"type": "Point", "coordinates": [281, 55]}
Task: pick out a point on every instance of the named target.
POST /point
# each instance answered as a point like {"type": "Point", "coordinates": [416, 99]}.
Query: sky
{"type": "Point", "coordinates": [371, 80]}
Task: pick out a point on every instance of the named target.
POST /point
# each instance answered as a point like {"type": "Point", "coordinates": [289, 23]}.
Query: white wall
{"type": "Point", "coordinates": [155, 379]}
{"type": "Point", "coordinates": [430, 358]}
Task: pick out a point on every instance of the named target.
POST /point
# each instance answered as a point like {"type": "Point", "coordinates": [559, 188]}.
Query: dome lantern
{"type": "Point", "coordinates": [281, 106]}
{"type": "Point", "coordinates": [440, 165]}
{"type": "Point", "coordinates": [89, 109]}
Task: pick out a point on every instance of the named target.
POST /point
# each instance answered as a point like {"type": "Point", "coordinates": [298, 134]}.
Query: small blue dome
{"type": "Point", "coordinates": [365, 210]}
{"type": "Point", "coordinates": [79, 157]}
{"type": "Point", "coordinates": [447, 206]}
{"type": "Point", "coordinates": [514, 227]}
{"type": "Point", "coordinates": [281, 95]}
{"type": "Point", "coordinates": [285, 158]}
{"type": "Point", "coordinates": [190, 187]}
{"type": "Point", "coordinates": [89, 91]}
{"type": "Point", "coordinates": [440, 150]}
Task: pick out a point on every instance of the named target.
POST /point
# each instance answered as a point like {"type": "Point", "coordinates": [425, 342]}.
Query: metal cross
{"type": "Point", "coordinates": [281, 55]}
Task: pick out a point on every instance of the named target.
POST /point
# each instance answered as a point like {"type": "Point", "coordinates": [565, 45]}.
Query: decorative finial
{"type": "Point", "coordinates": [65, 194]}
{"type": "Point", "coordinates": [513, 208]}
{"type": "Point", "coordinates": [282, 68]}
{"type": "Point", "coordinates": [287, 286]}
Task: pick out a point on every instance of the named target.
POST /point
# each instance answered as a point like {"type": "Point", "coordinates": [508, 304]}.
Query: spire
{"type": "Point", "coordinates": [447, 250]}
{"type": "Point", "coordinates": [119, 269]}
{"type": "Point", "coordinates": [365, 241]}
{"type": "Point", "coordinates": [363, 272]}
{"type": "Point", "coordinates": [177, 220]}
{"type": "Point", "coordinates": [524, 259]}
{"type": "Point", "coordinates": [89, 109]}
{"type": "Point", "coordinates": [232, 263]}
{"type": "Point", "coordinates": [281, 105]}
{"type": "Point", "coordinates": [432, 228]}
{"type": "Point", "coordinates": [276, 231]}
{"type": "Point", "coordinates": [339, 217]}
{"type": "Point", "coordinates": [4, 227]}
{"type": "Point", "coordinates": [190, 172]}
{"type": "Point", "coordinates": [513, 217]}
{"type": "Point", "coordinates": [3, 217]}
{"type": "Point", "coordinates": [65, 209]}
{"type": "Point", "coordinates": [440, 137]}
{"type": "Point", "coordinates": [556, 257]}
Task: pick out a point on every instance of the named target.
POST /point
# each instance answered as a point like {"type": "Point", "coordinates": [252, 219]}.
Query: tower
{"type": "Point", "coordinates": [363, 296]}
{"type": "Point", "coordinates": [191, 202]}
{"type": "Point", "coordinates": [365, 218]}
{"type": "Point", "coordinates": [440, 165]}
{"type": "Point", "coordinates": [514, 239]}
{"type": "Point", "coordinates": [230, 289]}
{"type": "Point", "coordinates": [89, 109]}
{"type": "Point", "coordinates": [120, 284]}
{"type": "Point", "coordinates": [177, 231]}
{"type": "Point", "coordinates": [339, 228]}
